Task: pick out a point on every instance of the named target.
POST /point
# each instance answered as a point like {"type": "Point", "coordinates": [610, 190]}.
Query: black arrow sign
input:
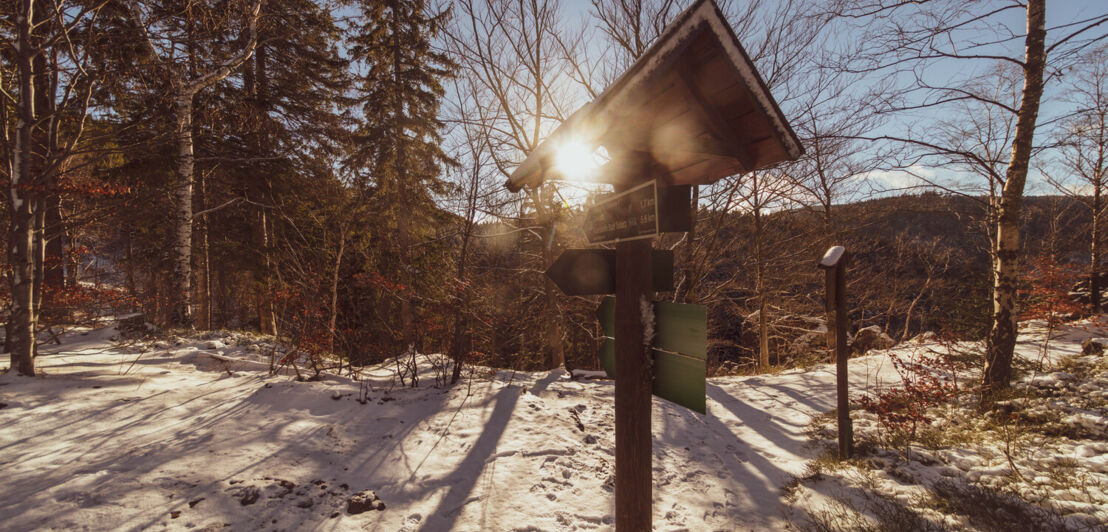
{"type": "Point", "coordinates": [589, 272]}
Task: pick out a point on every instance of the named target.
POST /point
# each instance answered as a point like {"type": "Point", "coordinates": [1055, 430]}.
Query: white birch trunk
{"type": "Point", "coordinates": [180, 288]}
{"type": "Point", "coordinates": [1002, 337]}
{"type": "Point", "coordinates": [21, 233]}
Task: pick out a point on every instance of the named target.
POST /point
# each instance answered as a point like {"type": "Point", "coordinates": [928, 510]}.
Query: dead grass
{"type": "Point", "coordinates": [991, 510]}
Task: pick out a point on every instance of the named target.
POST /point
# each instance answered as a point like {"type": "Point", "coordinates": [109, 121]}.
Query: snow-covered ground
{"type": "Point", "coordinates": [1038, 460]}
{"type": "Point", "coordinates": [166, 435]}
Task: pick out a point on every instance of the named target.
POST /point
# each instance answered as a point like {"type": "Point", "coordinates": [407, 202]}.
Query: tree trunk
{"type": "Point", "coordinates": [335, 291]}
{"type": "Point", "coordinates": [41, 149]}
{"type": "Point", "coordinates": [38, 255]}
{"type": "Point", "coordinates": [21, 232]}
{"type": "Point", "coordinates": [256, 81]}
{"type": "Point", "coordinates": [828, 225]}
{"type": "Point", "coordinates": [129, 268]}
{"type": "Point", "coordinates": [181, 287]}
{"type": "Point", "coordinates": [1094, 251]}
{"type": "Point", "coordinates": [407, 334]}
{"type": "Point", "coordinates": [554, 352]}
{"type": "Point", "coordinates": [457, 350]}
{"type": "Point", "coordinates": [55, 234]}
{"type": "Point", "coordinates": [1002, 337]}
{"type": "Point", "coordinates": [268, 318]}
{"type": "Point", "coordinates": [204, 275]}
{"type": "Point", "coordinates": [72, 263]}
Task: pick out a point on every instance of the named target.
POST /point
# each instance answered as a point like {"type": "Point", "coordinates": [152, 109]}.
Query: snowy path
{"type": "Point", "coordinates": [175, 441]}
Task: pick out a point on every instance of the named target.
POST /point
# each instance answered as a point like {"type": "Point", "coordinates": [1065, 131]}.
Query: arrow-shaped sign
{"type": "Point", "coordinates": [589, 272]}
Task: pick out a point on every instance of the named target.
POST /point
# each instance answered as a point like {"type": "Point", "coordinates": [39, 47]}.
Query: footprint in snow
{"type": "Point", "coordinates": [412, 522]}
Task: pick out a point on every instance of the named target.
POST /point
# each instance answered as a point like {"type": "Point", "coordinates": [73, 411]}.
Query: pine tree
{"type": "Point", "coordinates": [265, 132]}
{"type": "Point", "coordinates": [397, 151]}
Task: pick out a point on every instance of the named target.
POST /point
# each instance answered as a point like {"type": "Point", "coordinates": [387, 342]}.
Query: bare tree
{"type": "Point", "coordinates": [828, 120]}
{"type": "Point", "coordinates": [514, 53]}
{"type": "Point", "coordinates": [902, 43]}
{"type": "Point", "coordinates": [631, 26]}
{"type": "Point", "coordinates": [1082, 153]}
{"type": "Point", "coordinates": [476, 180]}
{"type": "Point", "coordinates": [49, 44]}
{"type": "Point", "coordinates": [760, 194]}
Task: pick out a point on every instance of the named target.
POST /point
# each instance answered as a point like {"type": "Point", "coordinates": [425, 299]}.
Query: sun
{"type": "Point", "coordinates": [577, 160]}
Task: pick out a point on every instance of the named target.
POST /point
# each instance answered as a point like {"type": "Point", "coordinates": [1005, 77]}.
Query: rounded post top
{"type": "Point", "coordinates": [833, 256]}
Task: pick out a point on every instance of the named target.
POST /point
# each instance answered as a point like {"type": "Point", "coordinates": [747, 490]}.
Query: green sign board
{"type": "Point", "coordinates": [606, 315]}
{"type": "Point", "coordinates": [681, 328]}
{"type": "Point", "coordinates": [680, 350]}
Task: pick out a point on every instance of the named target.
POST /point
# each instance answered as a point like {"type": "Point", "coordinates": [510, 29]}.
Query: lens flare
{"type": "Point", "coordinates": [577, 160]}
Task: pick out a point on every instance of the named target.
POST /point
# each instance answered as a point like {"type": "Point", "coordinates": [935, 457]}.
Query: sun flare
{"type": "Point", "coordinates": [577, 160]}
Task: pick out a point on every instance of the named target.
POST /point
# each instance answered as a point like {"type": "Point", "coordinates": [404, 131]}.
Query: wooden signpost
{"type": "Point", "coordinates": [690, 111]}
{"type": "Point", "coordinates": [834, 263]}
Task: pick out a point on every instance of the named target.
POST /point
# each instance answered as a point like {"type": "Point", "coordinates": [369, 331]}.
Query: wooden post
{"type": "Point", "coordinates": [634, 284]}
{"type": "Point", "coordinates": [834, 263]}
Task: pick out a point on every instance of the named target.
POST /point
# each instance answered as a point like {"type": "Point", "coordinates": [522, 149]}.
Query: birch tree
{"type": "Point", "coordinates": [905, 44]}
{"type": "Point", "coordinates": [173, 36]}
{"type": "Point", "coordinates": [49, 45]}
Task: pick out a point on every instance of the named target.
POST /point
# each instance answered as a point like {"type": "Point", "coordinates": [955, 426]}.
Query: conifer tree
{"type": "Point", "coordinates": [396, 151]}
{"type": "Point", "coordinates": [268, 127]}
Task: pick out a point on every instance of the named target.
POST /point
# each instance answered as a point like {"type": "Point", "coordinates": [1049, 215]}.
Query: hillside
{"type": "Point", "coordinates": [920, 254]}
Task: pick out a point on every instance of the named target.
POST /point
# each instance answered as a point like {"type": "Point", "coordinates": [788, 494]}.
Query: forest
{"type": "Point", "coordinates": [331, 173]}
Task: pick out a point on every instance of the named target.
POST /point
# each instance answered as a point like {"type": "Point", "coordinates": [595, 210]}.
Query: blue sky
{"type": "Point", "coordinates": [1058, 14]}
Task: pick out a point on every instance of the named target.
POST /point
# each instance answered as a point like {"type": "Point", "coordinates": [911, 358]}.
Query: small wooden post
{"type": "Point", "coordinates": [834, 263]}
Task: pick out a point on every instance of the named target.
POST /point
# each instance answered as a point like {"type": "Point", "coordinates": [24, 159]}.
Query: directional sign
{"type": "Point", "coordinates": [624, 216]}
{"type": "Point", "coordinates": [606, 315]}
{"type": "Point", "coordinates": [641, 212]}
{"type": "Point", "coordinates": [681, 328]}
{"type": "Point", "coordinates": [680, 351]}
{"type": "Point", "coordinates": [589, 272]}
{"type": "Point", "coordinates": [680, 354]}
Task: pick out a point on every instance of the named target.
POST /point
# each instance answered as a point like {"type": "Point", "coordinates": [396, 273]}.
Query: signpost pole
{"type": "Point", "coordinates": [633, 387]}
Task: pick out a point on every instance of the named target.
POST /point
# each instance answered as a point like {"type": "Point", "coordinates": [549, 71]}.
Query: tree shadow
{"type": "Point", "coordinates": [465, 475]}
{"type": "Point", "coordinates": [733, 451]}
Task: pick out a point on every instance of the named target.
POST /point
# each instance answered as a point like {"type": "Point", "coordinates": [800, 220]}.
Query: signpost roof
{"type": "Point", "coordinates": [693, 102]}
